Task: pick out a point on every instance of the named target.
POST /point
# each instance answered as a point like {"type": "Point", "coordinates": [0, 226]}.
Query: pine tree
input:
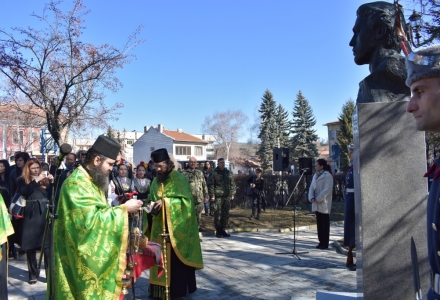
{"type": "Point", "coordinates": [345, 132]}
{"type": "Point", "coordinates": [282, 126]}
{"type": "Point", "coordinates": [267, 134]}
{"type": "Point", "coordinates": [304, 136]}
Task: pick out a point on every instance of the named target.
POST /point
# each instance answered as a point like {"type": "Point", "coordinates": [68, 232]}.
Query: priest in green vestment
{"type": "Point", "coordinates": [185, 255]}
{"type": "Point", "coordinates": [6, 230]}
{"type": "Point", "coordinates": [90, 237]}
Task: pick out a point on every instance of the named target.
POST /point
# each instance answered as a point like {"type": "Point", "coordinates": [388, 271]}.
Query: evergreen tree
{"type": "Point", "coordinates": [268, 131]}
{"type": "Point", "coordinates": [110, 133]}
{"type": "Point", "coordinates": [304, 137]}
{"type": "Point", "coordinates": [345, 132]}
{"type": "Point", "coordinates": [282, 126]}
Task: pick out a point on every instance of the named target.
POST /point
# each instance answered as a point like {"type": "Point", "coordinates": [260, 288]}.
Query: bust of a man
{"type": "Point", "coordinates": [375, 43]}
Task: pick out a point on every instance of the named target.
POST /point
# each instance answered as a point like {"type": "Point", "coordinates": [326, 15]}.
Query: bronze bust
{"type": "Point", "coordinates": [376, 43]}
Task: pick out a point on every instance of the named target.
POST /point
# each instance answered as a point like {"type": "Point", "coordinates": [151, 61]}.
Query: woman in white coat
{"type": "Point", "coordinates": [320, 194]}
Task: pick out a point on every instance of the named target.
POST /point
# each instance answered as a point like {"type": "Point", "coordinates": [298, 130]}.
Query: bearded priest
{"type": "Point", "coordinates": [90, 236]}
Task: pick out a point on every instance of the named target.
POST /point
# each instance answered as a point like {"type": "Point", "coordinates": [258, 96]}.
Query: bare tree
{"type": "Point", "coordinates": [227, 127]}
{"type": "Point", "coordinates": [60, 74]}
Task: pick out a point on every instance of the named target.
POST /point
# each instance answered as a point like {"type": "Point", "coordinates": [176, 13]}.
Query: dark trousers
{"type": "Point", "coordinates": [183, 278]}
{"type": "Point", "coordinates": [256, 205]}
{"type": "Point", "coordinates": [32, 262]}
{"type": "Point", "coordinates": [3, 272]}
{"type": "Point", "coordinates": [323, 224]}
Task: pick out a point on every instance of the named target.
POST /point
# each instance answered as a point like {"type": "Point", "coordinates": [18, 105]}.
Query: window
{"type": "Point", "coordinates": [180, 150]}
{"type": "Point", "coordinates": [35, 136]}
{"type": "Point", "coordinates": [17, 137]}
{"type": "Point", "coordinates": [198, 151]}
{"type": "Point", "coordinates": [130, 142]}
{"type": "Point", "coordinates": [333, 134]}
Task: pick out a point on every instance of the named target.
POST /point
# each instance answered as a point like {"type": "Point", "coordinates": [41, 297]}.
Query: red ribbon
{"type": "Point", "coordinates": [434, 169]}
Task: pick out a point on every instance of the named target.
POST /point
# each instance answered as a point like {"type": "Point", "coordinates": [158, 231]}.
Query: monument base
{"type": "Point", "coordinates": [390, 200]}
{"type": "Point", "coordinates": [324, 295]}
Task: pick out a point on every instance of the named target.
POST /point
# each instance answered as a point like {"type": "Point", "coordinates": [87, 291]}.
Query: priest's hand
{"type": "Point", "coordinates": [158, 205]}
{"type": "Point", "coordinates": [133, 205]}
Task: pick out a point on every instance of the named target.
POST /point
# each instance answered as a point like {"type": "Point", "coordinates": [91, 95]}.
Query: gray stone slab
{"type": "Point", "coordinates": [324, 295]}
{"type": "Point", "coordinates": [390, 195]}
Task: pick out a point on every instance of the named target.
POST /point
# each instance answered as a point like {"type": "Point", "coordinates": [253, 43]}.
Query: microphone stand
{"type": "Point", "coordinates": [130, 239]}
{"type": "Point", "coordinates": [48, 234]}
{"type": "Point", "coordinates": [294, 252]}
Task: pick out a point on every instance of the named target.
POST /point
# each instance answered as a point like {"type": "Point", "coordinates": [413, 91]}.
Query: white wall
{"type": "Point", "coordinates": [151, 139]}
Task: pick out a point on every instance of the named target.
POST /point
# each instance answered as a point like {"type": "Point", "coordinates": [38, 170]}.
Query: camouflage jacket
{"type": "Point", "coordinates": [221, 184]}
{"type": "Point", "coordinates": [197, 183]}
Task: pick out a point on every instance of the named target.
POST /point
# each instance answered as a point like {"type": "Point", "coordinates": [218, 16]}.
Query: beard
{"type": "Point", "coordinates": [164, 175]}
{"type": "Point", "coordinates": [100, 178]}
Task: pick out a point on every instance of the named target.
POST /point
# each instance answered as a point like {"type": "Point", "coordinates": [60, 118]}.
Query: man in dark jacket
{"type": "Point", "coordinates": [424, 80]}
{"type": "Point", "coordinates": [221, 189]}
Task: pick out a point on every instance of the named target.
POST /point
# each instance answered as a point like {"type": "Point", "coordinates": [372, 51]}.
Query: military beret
{"type": "Point", "coordinates": [422, 64]}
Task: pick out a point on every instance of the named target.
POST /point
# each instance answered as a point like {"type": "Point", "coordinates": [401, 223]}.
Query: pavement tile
{"type": "Point", "coordinates": [242, 267]}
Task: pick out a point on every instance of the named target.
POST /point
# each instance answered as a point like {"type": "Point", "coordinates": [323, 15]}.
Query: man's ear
{"type": "Point", "coordinates": [97, 161]}
{"type": "Point", "coordinates": [381, 30]}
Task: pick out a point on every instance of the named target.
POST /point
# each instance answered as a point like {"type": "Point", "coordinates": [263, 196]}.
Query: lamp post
{"type": "Point", "coordinates": [415, 25]}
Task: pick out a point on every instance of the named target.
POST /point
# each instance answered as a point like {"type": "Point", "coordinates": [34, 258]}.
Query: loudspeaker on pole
{"type": "Point", "coordinates": [281, 159]}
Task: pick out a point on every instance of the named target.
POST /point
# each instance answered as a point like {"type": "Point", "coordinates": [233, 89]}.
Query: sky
{"type": "Point", "coordinates": [203, 56]}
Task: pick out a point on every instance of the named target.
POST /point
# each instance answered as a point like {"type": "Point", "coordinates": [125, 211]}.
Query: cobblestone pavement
{"type": "Point", "coordinates": [244, 266]}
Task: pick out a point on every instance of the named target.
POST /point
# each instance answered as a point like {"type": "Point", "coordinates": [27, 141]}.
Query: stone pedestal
{"type": "Point", "coordinates": [391, 196]}
{"type": "Point", "coordinates": [324, 295]}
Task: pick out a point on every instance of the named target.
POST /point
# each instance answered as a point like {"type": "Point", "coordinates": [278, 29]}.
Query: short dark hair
{"type": "Point", "coordinates": [382, 13]}
{"type": "Point", "coordinates": [74, 155]}
{"type": "Point", "coordinates": [24, 155]}
{"type": "Point", "coordinates": [79, 153]}
{"type": "Point", "coordinates": [220, 159]}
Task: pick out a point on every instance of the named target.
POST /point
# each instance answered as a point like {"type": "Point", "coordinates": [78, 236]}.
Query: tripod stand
{"type": "Point", "coordinates": [294, 252]}
{"type": "Point", "coordinates": [48, 230]}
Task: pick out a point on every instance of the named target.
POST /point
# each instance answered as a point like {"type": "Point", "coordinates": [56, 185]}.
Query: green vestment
{"type": "Point", "coordinates": [6, 228]}
{"type": "Point", "coordinates": [181, 222]}
{"type": "Point", "coordinates": [90, 240]}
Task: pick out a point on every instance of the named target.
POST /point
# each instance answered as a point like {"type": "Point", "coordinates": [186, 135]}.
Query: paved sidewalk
{"type": "Point", "coordinates": [244, 266]}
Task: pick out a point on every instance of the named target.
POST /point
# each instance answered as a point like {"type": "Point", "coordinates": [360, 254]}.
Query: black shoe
{"type": "Point", "coordinates": [218, 232]}
{"type": "Point", "coordinates": [251, 217]}
{"type": "Point", "coordinates": [225, 234]}
{"type": "Point", "coordinates": [258, 217]}
{"type": "Point", "coordinates": [32, 281]}
{"type": "Point", "coordinates": [351, 267]}
{"type": "Point", "coordinates": [322, 247]}
{"type": "Point", "coordinates": [318, 246]}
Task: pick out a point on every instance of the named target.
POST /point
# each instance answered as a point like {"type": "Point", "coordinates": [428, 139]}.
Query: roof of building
{"type": "Point", "coordinates": [331, 123]}
{"type": "Point", "coordinates": [182, 136]}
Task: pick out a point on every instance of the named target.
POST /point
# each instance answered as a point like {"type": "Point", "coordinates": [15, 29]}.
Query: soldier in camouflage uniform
{"type": "Point", "coordinates": [221, 188]}
{"type": "Point", "coordinates": [198, 186]}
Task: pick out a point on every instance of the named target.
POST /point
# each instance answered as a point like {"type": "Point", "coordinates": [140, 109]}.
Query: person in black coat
{"type": "Point", "coordinates": [35, 186]}
{"type": "Point", "coordinates": [4, 182]}
{"type": "Point", "coordinates": [256, 182]}
{"type": "Point", "coordinates": [20, 160]}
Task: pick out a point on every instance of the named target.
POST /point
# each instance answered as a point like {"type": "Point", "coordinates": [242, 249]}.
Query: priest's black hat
{"type": "Point", "coordinates": [106, 146]}
{"type": "Point", "coordinates": [160, 155]}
